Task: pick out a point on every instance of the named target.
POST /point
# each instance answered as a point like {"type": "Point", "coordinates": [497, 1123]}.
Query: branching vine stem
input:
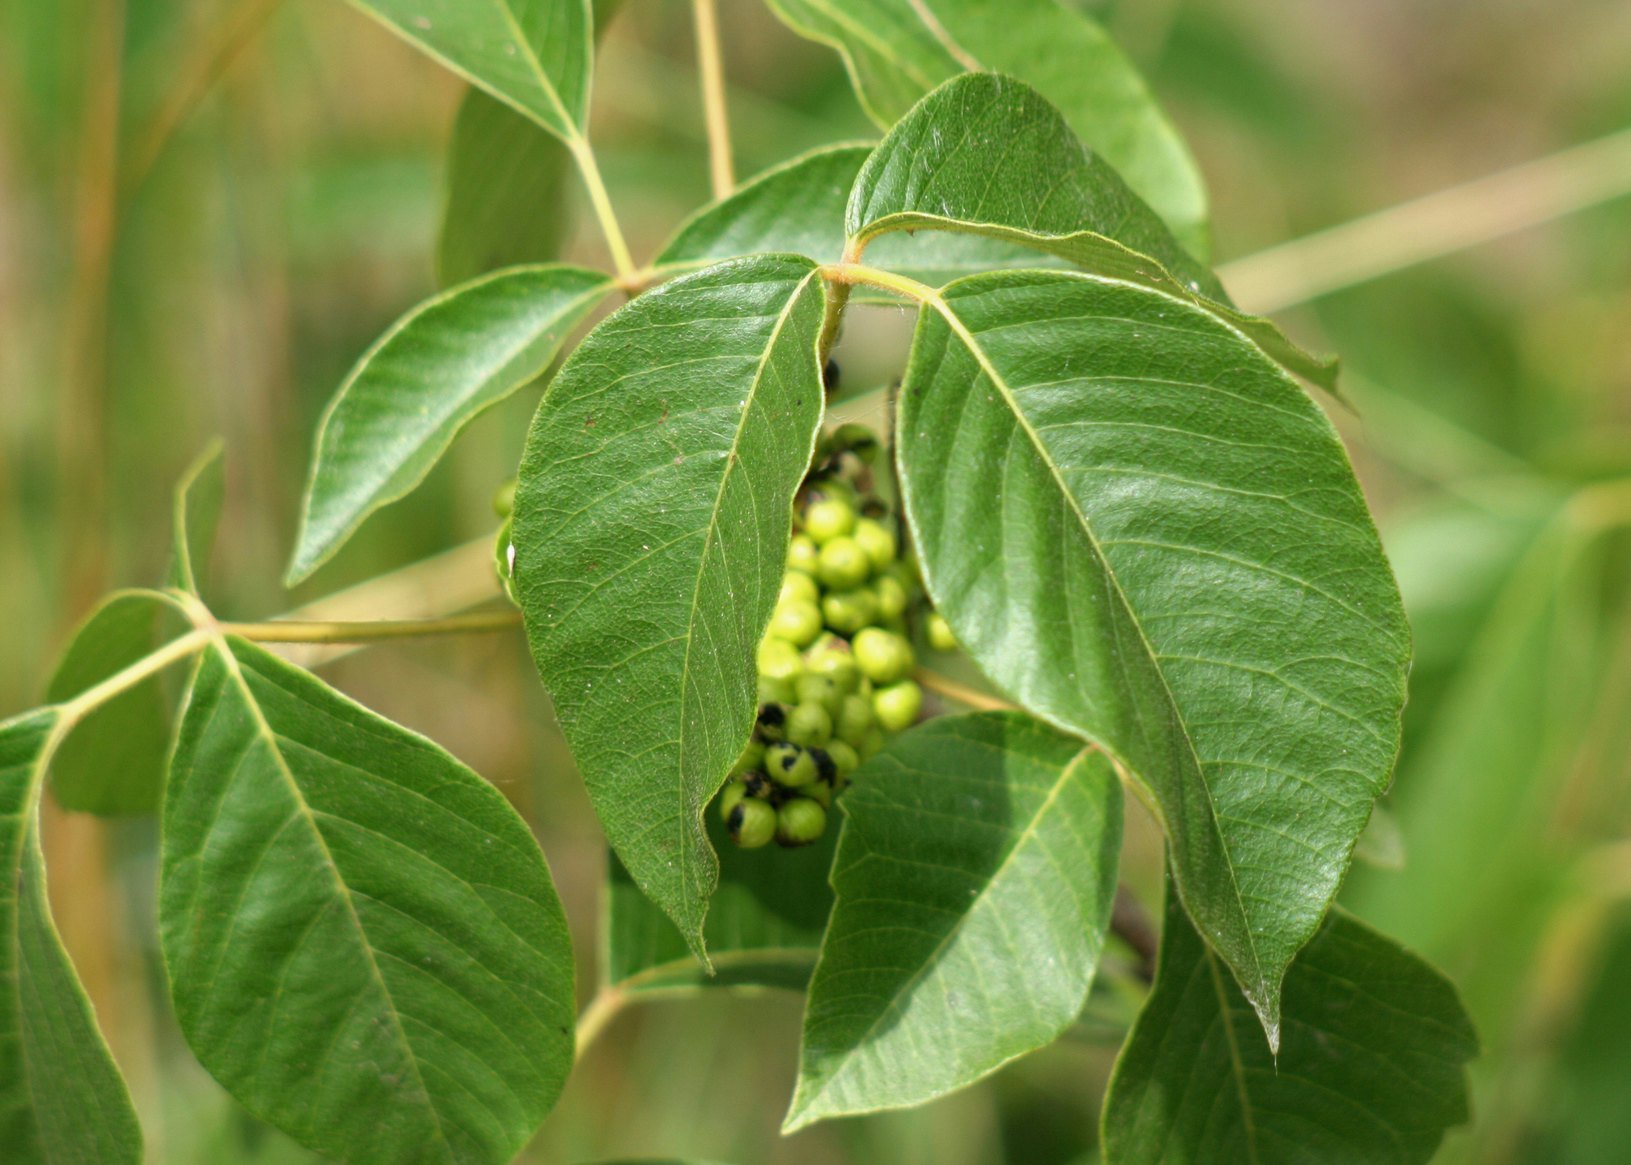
{"type": "Point", "coordinates": [711, 67]}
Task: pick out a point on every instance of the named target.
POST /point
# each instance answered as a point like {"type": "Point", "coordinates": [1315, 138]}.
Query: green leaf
{"type": "Point", "coordinates": [507, 180]}
{"type": "Point", "coordinates": [1151, 536]}
{"type": "Point", "coordinates": [61, 1096]}
{"type": "Point", "coordinates": [534, 55]}
{"type": "Point", "coordinates": [112, 762]}
{"type": "Point", "coordinates": [651, 527]}
{"type": "Point", "coordinates": [199, 496]}
{"type": "Point", "coordinates": [1369, 1070]}
{"type": "Point", "coordinates": [363, 941]}
{"type": "Point", "coordinates": [798, 207]}
{"type": "Point", "coordinates": [898, 50]}
{"type": "Point", "coordinates": [988, 155]}
{"type": "Point", "coordinates": [763, 929]}
{"type": "Point", "coordinates": [506, 192]}
{"type": "Point", "coordinates": [436, 369]}
{"type": "Point", "coordinates": [974, 882]}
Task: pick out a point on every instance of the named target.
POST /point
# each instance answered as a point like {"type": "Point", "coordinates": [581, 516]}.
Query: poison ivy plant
{"type": "Point", "coordinates": [363, 941]}
{"type": "Point", "coordinates": [1103, 485]}
{"type": "Point", "coordinates": [61, 1096]}
{"type": "Point", "coordinates": [1370, 1066]}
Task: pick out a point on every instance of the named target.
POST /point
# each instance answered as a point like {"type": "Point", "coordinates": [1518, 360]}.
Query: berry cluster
{"type": "Point", "coordinates": [835, 666]}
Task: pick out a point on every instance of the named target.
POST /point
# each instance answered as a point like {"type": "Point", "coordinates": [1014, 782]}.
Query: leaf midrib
{"type": "Point", "coordinates": [731, 462]}
{"type": "Point", "coordinates": [955, 323]}
{"type": "Point", "coordinates": [1067, 775]}
{"type": "Point", "coordinates": [269, 738]}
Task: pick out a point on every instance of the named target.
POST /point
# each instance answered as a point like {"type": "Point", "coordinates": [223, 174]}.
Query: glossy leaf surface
{"type": "Point", "coordinates": [974, 880]}
{"type": "Point", "coordinates": [61, 1096]}
{"type": "Point", "coordinates": [431, 374]}
{"type": "Point", "coordinates": [1371, 1063]}
{"type": "Point", "coordinates": [651, 528]}
{"type": "Point", "coordinates": [363, 940]}
{"type": "Point", "coordinates": [1148, 534]}
{"type": "Point", "coordinates": [988, 155]}
{"type": "Point", "coordinates": [534, 55]}
{"type": "Point", "coordinates": [898, 50]}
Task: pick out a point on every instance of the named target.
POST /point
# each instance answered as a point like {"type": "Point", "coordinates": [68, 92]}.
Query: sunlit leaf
{"type": "Point", "coordinates": [363, 941]}
{"type": "Point", "coordinates": [534, 55]}
{"type": "Point", "coordinates": [1148, 534]}
{"type": "Point", "coordinates": [974, 881]}
{"type": "Point", "coordinates": [764, 925]}
{"type": "Point", "coordinates": [436, 369]}
{"type": "Point", "coordinates": [898, 50]}
{"type": "Point", "coordinates": [651, 528]}
{"type": "Point", "coordinates": [61, 1096]}
{"type": "Point", "coordinates": [1371, 1063]}
{"type": "Point", "coordinates": [112, 763]}
{"type": "Point", "coordinates": [988, 155]}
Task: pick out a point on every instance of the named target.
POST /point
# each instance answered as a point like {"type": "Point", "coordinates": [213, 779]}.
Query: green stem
{"type": "Point", "coordinates": [584, 155]}
{"type": "Point", "coordinates": [711, 65]}
{"type": "Point", "coordinates": [304, 631]}
{"type": "Point", "coordinates": [597, 1015]}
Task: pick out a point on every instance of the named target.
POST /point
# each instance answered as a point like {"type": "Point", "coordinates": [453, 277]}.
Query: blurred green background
{"type": "Point", "coordinates": [209, 208]}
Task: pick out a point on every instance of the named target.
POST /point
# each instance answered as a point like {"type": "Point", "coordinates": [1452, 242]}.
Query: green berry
{"type": "Point", "coordinates": [846, 612]}
{"type": "Point", "coordinates": [940, 636]}
{"type": "Point", "coordinates": [843, 565]}
{"type": "Point", "coordinates": [800, 822]}
{"type": "Point", "coordinates": [809, 725]}
{"type": "Point", "coordinates": [789, 765]}
{"type": "Point", "coordinates": [873, 744]}
{"type": "Point", "coordinates": [751, 823]}
{"type": "Point", "coordinates": [897, 705]}
{"type": "Point", "coordinates": [504, 499]}
{"type": "Point", "coordinates": [891, 596]}
{"type": "Point", "coordinates": [729, 798]}
{"type": "Point", "coordinates": [778, 659]}
{"type": "Point", "coordinates": [504, 561]}
{"type": "Point", "coordinates": [844, 757]}
{"type": "Point", "coordinates": [798, 585]}
{"type": "Point", "coordinates": [750, 759]}
{"type": "Point", "coordinates": [828, 518]}
{"type": "Point", "coordinates": [771, 725]}
{"type": "Point", "coordinates": [855, 720]}
{"type": "Point", "coordinates": [883, 656]}
{"type": "Point", "coordinates": [798, 622]}
{"type": "Point", "coordinates": [815, 688]}
{"type": "Point", "coordinates": [775, 691]}
{"type": "Point", "coordinates": [877, 541]}
{"type": "Point", "coordinates": [820, 792]}
{"type": "Point", "coordinates": [801, 554]}
{"type": "Point", "coordinates": [856, 439]}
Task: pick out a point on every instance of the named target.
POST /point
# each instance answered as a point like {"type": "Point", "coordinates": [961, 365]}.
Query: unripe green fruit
{"type": "Point", "coordinates": [939, 631]}
{"type": "Point", "coordinates": [729, 798]}
{"type": "Point", "coordinates": [843, 565]}
{"type": "Point", "coordinates": [800, 822]}
{"type": "Point", "coordinates": [855, 720]}
{"type": "Point", "coordinates": [820, 792]}
{"type": "Point", "coordinates": [897, 705]}
{"type": "Point", "coordinates": [809, 725]}
{"type": "Point", "coordinates": [802, 553]}
{"type": "Point", "coordinates": [750, 759]}
{"type": "Point", "coordinates": [814, 688]}
{"type": "Point", "coordinates": [504, 499]}
{"type": "Point", "coordinates": [751, 823]}
{"type": "Point", "coordinates": [772, 723]}
{"type": "Point", "coordinates": [844, 757]}
{"type": "Point", "coordinates": [828, 518]}
{"type": "Point", "coordinates": [891, 596]}
{"type": "Point", "coordinates": [877, 541]}
{"type": "Point", "coordinates": [856, 439]}
{"type": "Point", "coordinates": [798, 622]}
{"type": "Point", "coordinates": [873, 744]}
{"type": "Point", "coordinates": [778, 659]}
{"type": "Point", "coordinates": [837, 666]}
{"type": "Point", "coordinates": [883, 656]}
{"type": "Point", "coordinates": [798, 585]}
{"type": "Point", "coordinates": [790, 765]}
{"type": "Point", "coordinates": [504, 561]}
{"type": "Point", "coordinates": [775, 691]}
{"type": "Point", "coordinates": [848, 611]}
